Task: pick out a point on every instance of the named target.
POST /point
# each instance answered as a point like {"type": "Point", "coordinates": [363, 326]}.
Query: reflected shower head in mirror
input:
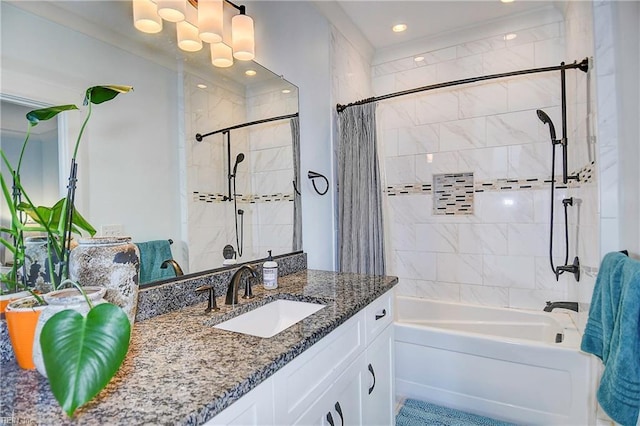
{"type": "Point", "coordinates": [546, 120]}
{"type": "Point", "coordinates": [239, 159]}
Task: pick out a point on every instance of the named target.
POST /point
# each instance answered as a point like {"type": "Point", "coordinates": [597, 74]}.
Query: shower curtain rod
{"type": "Point", "coordinates": [199, 137]}
{"type": "Point", "coordinates": [582, 66]}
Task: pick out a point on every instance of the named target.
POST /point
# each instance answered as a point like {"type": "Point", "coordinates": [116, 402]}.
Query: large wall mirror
{"type": "Point", "coordinates": [233, 188]}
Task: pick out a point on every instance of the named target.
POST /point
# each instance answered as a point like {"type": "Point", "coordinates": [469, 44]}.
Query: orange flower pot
{"type": "Point", "coordinates": [22, 317]}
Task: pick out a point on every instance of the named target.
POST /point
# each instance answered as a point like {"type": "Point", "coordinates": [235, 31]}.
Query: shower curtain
{"type": "Point", "coordinates": [297, 207]}
{"type": "Point", "coordinates": [360, 230]}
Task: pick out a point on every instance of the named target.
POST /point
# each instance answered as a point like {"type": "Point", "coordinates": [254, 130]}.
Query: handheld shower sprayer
{"type": "Point", "coordinates": [546, 120]}
{"type": "Point", "coordinates": [239, 159]}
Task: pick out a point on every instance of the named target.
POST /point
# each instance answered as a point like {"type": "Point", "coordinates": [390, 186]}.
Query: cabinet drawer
{"type": "Point", "coordinates": [378, 315]}
{"type": "Point", "coordinates": [301, 382]}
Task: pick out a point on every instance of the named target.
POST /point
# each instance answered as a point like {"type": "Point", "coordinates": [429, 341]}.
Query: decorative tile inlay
{"type": "Point", "coordinates": [208, 197]}
{"type": "Point", "coordinates": [453, 194]}
{"type": "Point", "coordinates": [586, 175]}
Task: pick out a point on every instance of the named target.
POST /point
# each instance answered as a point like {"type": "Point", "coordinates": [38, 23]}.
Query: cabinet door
{"type": "Point", "coordinates": [341, 403]}
{"type": "Point", "coordinates": [254, 408]}
{"type": "Point", "coordinates": [378, 391]}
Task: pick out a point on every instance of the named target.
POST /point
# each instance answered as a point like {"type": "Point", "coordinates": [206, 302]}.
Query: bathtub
{"type": "Point", "coordinates": [514, 365]}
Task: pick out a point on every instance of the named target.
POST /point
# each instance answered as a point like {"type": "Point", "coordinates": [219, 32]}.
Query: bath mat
{"type": "Point", "coordinates": [420, 413]}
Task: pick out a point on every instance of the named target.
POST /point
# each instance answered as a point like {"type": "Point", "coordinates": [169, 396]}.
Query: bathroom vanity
{"type": "Point", "coordinates": [334, 366]}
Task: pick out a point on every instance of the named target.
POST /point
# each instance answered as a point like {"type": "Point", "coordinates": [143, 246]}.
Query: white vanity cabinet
{"type": "Point", "coordinates": [344, 379]}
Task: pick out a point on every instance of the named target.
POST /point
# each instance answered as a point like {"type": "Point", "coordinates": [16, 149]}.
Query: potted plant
{"type": "Point", "coordinates": [81, 353]}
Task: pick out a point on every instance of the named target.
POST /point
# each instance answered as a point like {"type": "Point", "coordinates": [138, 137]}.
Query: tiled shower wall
{"type": "Point", "coordinates": [263, 179]}
{"type": "Point", "coordinates": [499, 254]}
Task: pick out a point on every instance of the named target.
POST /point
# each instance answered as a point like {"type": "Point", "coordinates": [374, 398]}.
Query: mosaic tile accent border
{"type": "Point", "coordinates": [208, 197]}
{"type": "Point", "coordinates": [586, 175]}
{"type": "Point", "coordinates": [453, 194]}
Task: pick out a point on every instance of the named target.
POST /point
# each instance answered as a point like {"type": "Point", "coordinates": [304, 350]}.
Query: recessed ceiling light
{"type": "Point", "coordinates": [202, 86]}
{"type": "Point", "coordinates": [510, 36]}
{"type": "Point", "coordinates": [418, 58]}
{"type": "Point", "coordinates": [506, 1]}
{"type": "Point", "coordinates": [286, 91]}
{"type": "Point", "coordinates": [250, 73]}
{"type": "Point", "coordinates": [399, 28]}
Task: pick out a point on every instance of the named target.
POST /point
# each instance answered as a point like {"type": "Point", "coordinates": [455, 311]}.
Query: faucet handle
{"type": "Point", "coordinates": [211, 306]}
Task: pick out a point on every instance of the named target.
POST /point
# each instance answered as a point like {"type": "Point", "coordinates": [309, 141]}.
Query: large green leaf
{"type": "Point", "coordinates": [43, 114]}
{"type": "Point", "coordinates": [100, 94]}
{"type": "Point", "coordinates": [82, 354]}
{"type": "Point", "coordinates": [50, 217]}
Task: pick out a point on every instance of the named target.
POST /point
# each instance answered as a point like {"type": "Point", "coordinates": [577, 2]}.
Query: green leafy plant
{"type": "Point", "coordinates": [81, 354]}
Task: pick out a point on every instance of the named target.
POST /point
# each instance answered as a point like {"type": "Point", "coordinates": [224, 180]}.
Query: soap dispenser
{"type": "Point", "coordinates": [270, 273]}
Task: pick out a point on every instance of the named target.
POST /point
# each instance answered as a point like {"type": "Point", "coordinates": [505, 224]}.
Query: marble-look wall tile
{"type": "Point", "coordinates": [418, 140]}
{"type": "Point", "coordinates": [435, 237]}
{"type": "Point", "coordinates": [416, 77]}
{"type": "Point", "coordinates": [436, 107]}
{"type": "Point", "coordinates": [415, 265]}
{"type": "Point", "coordinates": [514, 58]}
{"type": "Point", "coordinates": [504, 207]}
{"type": "Point", "coordinates": [513, 128]}
{"type": "Point", "coordinates": [486, 163]}
{"type": "Point", "coordinates": [484, 295]}
{"type": "Point", "coordinates": [533, 299]}
{"type": "Point", "coordinates": [459, 268]}
{"type": "Point", "coordinates": [528, 239]}
{"type": "Point", "coordinates": [483, 238]}
{"type": "Point", "coordinates": [447, 292]}
{"type": "Point", "coordinates": [480, 46]}
{"type": "Point", "coordinates": [531, 160]}
{"type": "Point", "coordinates": [509, 271]}
{"type": "Point", "coordinates": [458, 69]}
{"type": "Point", "coordinates": [463, 134]}
{"type": "Point", "coordinates": [533, 92]}
{"type": "Point", "coordinates": [397, 113]}
{"type": "Point", "coordinates": [483, 99]}
{"type": "Point", "coordinates": [428, 165]}
{"type": "Point", "coordinates": [400, 169]}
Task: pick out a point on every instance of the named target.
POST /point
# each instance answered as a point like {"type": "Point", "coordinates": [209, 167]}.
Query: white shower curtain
{"type": "Point", "coordinates": [360, 229]}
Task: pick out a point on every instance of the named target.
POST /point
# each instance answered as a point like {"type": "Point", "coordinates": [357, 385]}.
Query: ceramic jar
{"type": "Point", "coordinates": [60, 300]}
{"type": "Point", "coordinates": [110, 262]}
{"type": "Point", "coordinates": [36, 264]}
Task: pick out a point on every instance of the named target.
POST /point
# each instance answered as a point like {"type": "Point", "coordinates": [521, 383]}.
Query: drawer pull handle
{"type": "Point", "coordinates": [374, 379]}
{"type": "Point", "coordinates": [330, 418]}
{"type": "Point", "coordinates": [339, 410]}
{"type": "Point", "coordinates": [382, 315]}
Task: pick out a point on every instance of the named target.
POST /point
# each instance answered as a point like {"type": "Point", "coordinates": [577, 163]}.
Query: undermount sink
{"type": "Point", "coordinates": [270, 319]}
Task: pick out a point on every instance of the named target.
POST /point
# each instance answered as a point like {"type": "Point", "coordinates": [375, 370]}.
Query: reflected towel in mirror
{"type": "Point", "coordinates": [152, 254]}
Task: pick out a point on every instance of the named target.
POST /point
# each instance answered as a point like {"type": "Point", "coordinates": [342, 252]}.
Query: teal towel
{"type": "Point", "coordinates": [612, 334]}
{"type": "Point", "coordinates": [152, 254]}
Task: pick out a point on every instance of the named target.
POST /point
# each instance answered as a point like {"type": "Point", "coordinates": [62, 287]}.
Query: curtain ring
{"type": "Point", "coordinates": [313, 175]}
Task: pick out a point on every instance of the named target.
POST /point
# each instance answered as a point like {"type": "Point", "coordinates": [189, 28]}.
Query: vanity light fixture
{"type": "Point", "coordinates": [398, 28]}
{"type": "Point", "coordinates": [200, 21]}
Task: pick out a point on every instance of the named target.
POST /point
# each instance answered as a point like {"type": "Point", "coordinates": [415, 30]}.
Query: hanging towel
{"type": "Point", "coordinates": [152, 254]}
{"type": "Point", "coordinates": [612, 334]}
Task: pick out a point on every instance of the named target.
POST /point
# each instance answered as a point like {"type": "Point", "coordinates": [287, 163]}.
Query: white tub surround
{"type": "Point", "coordinates": [500, 363]}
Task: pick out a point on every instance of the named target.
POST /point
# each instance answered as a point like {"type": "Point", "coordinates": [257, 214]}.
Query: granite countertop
{"type": "Point", "coordinates": [181, 370]}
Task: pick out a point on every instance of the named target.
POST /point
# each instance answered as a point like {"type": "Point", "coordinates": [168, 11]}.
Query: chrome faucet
{"type": "Point", "coordinates": [566, 305]}
{"type": "Point", "coordinates": [176, 268]}
{"type": "Point", "coordinates": [232, 290]}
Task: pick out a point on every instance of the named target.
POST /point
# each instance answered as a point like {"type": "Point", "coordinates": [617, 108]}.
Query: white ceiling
{"type": "Point", "coordinates": [428, 18]}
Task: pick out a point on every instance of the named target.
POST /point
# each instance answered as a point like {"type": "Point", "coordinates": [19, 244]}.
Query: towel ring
{"type": "Point", "coordinates": [313, 175]}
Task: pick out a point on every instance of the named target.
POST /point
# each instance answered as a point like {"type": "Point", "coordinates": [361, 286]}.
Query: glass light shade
{"type": "Point", "coordinates": [242, 35]}
{"type": "Point", "coordinates": [172, 10]}
{"type": "Point", "coordinates": [210, 14]}
{"type": "Point", "coordinates": [145, 17]}
{"type": "Point", "coordinates": [221, 55]}
{"type": "Point", "coordinates": [188, 39]}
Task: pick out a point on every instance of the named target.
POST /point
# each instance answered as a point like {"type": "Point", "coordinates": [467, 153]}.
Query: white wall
{"type": "Point", "coordinates": [128, 165]}
{"type": "Point", "coordinates": [294, 41]}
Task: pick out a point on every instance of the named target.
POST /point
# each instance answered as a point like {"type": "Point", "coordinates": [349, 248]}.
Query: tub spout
{"type": "Point", "coordinates": [566, 305]}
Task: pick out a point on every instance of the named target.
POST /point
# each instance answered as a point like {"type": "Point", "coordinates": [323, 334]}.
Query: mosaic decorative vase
{"type": "Point", "coordinates": [110, 262]}
{"type": "Point", "coordinates": [60, 300]}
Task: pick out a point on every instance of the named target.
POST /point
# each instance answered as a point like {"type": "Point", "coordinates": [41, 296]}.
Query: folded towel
{"type": "Point", "coordinates": [152, 254]}
{"type": "Point", "coordinates": [612, 334]}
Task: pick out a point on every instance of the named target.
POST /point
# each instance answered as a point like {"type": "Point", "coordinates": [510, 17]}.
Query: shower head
{"type": "Point", "coordinates": [546, 120]}
{"type": "Point", "coordinates": [239, 159]}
